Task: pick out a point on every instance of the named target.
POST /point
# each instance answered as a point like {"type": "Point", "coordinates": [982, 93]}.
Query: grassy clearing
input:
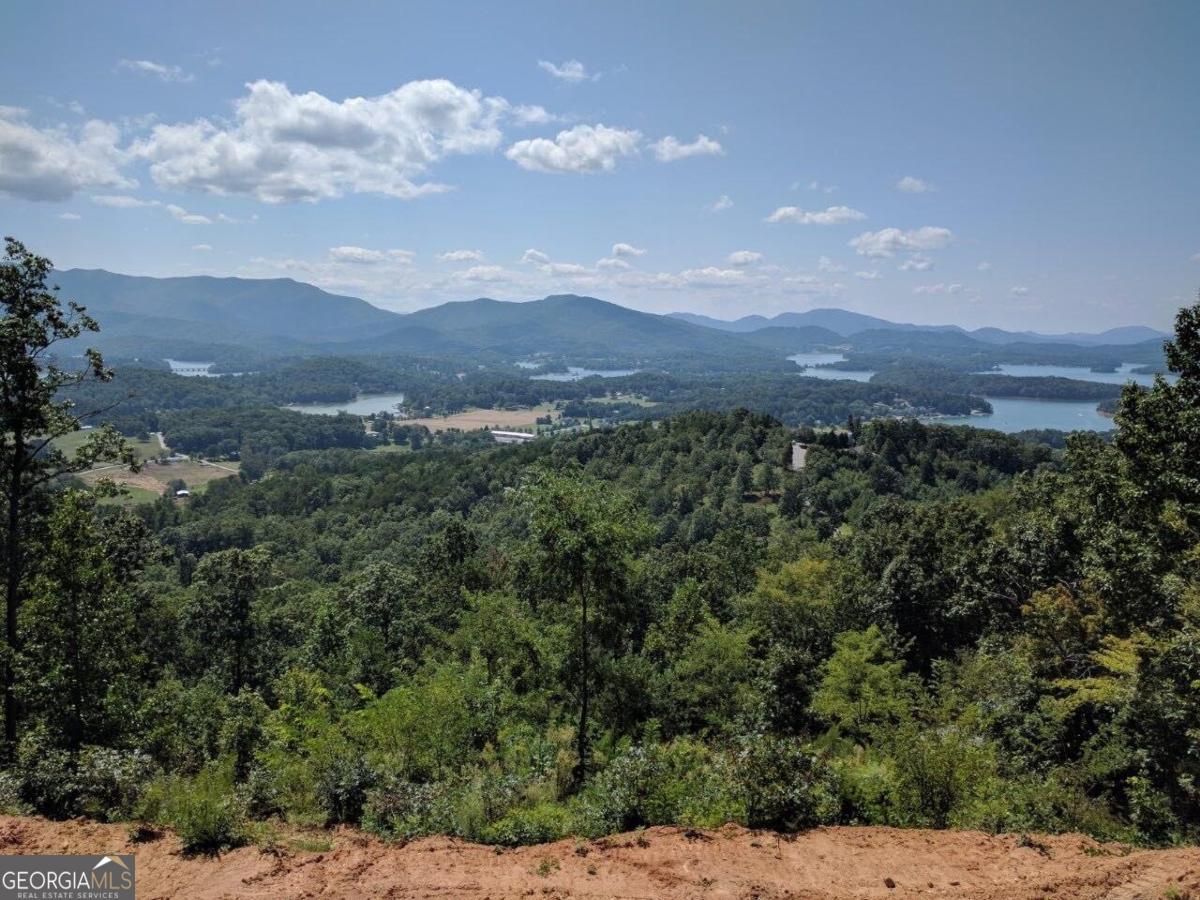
{"type": "Point", "coordinates": [473, 419]}
{"type": "Point", "coordinates": [69, 443]}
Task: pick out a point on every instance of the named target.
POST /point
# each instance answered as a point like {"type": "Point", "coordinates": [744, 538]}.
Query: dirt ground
{"type": "Point", "coordinates": [666, 863]}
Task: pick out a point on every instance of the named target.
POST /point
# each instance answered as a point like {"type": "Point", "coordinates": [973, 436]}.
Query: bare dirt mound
{"type": "Point", "coordinates": [666, 863]}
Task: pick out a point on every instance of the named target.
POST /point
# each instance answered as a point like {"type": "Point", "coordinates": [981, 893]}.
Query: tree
{"type": "Point", "coordinates": [584, 534]}
{"type": "Point", "coordinates": [34, 411]}
{"type": "Point", "coordinates": [221, 615]}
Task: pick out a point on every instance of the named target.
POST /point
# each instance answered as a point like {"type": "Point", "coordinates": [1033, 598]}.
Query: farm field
{"type": "Point", "coordinates": [473, 419]}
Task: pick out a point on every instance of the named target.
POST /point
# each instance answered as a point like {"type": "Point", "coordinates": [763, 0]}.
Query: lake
{"type": "Point", "coordinates": [1080, 373]}
{"type": "Point", "coordinates": [810, 363]}
{"type": "Point", "coordinates": [363, 405]}
{"type": "Point", "coordinates": [1021, 413]}
{"type": "Point", "coordinates": [575, 373]}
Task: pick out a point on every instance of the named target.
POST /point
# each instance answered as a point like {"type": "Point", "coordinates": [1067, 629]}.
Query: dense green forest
{"type": "Point", "coordinates": [659, 622]}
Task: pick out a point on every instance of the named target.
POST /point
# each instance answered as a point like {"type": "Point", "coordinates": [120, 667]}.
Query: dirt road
{"type": "Point", "coordinates": [658, 864]}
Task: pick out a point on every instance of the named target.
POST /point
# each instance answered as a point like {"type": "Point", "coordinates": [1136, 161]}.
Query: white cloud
{"type": "Point", "coordinates": [712, 276]}
{"type": "Point", "coordinates": [987, 266]}
{"type": "Point", "coordinates": [70, 216]}
{"type": "Point", "coordinates": [744, 257]}
{"type": "Point", "coordinates": [818, 186]}
{"type": "Point", "coordinates": [284, 147]}
{"type": "Point", "coordinates": [825, 264]}
{"type": "Point", "coordinates": [461, 256]}
{"type": "Point", "coordinates": [121, 201]}
{"type": "Point", "coordinates": [158, 70]}
{"type": "Point", "coordinates": [939, 288]}
{"type": "Point", "coordinates": [911, 185]}
{"type": "Point", "coordinates": [1019, 290]}
{"type": "Point", "coordinates": [918, 262]}
{"type": "Point", "coordinates": [810, 284]}
{"type": "Point", "coordinates": [669, 149]}
{"type": "Point", "coordinates": [723, 203]}
{"type": "Point", "coordinates": [488, 274]}
{"type": "Point", "coordinates": [532, 115]}
{"type": "Point", "coordinates": [365, 256]}
{"type": "Point", "coordinates": [182, 215]}
{"type": "Point", "coordinates": [584, 148]}
{"type": "Point", "coordinates": [833, 215]}
{"type": "Point", "coordinates": [54, 163]}
{"type": "Point", "coordinates": [1195, 257]}
{"type": "Point", "coordinates": [889, 241]}
{"type": "Point", "coordinates": [572, 71]}
{"type": "Point", "coordinates": [202, 248]}
{"type": "Point", "coordinates": [555, 268]}
{"type": "Point", "coordinates": [534, 256]}
{"type": "Point", "coordinates": [611, 262]}
{"type": "Point", "coordinates": [871, 275]}
{"type": "Point", "coordinates": [627, 250]}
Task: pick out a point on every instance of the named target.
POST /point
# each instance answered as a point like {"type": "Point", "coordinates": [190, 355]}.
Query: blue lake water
{"type": "Point", "coordinates": [1020, 413]}
{"type": "Point", "coordinates": [811, 365]}
{"type": "Point", "coordinates": [363, 405]}
{"type": "Point", "coordinates": [574, 373]}
{"type": "Point", "coordinates": [1080, 373]}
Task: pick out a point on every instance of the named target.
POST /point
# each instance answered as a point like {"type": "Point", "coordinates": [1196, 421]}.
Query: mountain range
{"type": "Point", "coordinates": [201, 317]}
{"type": "Point", "coordinates": [847, 323]}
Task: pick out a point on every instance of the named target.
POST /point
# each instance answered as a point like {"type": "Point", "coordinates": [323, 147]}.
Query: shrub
{"type": "Point", "coordinates": [785, 785]}
{"type": "Point", "coordinates": [204, 810]}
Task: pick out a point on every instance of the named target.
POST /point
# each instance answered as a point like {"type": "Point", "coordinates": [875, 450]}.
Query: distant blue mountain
{"type": "Point", "coordinates": [846, 323]}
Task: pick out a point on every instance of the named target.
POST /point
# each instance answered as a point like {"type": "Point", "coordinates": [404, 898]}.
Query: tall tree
{"type": "Point", "coordinates": [584, 534]}
{"type": "Point", "coordinates": [33, 413]}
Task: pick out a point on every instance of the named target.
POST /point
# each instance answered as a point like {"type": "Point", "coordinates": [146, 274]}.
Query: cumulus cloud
{"type": "Point", "coordinates": [365, 256]}
{"type": "Point", "coordinates": [744, 257]}
{"type": "Point", "coordinates": [1019, 290]}
{"type": "Point", "coordinates": [818, 186]}
{"type": "Point", "coordinates": [987, 266]}
{"type": "Point", "coordinates": [939, 288]}
{"type": "Point", "coordinates": [158, 70]}
{"type": "Point", "coordinates": [70, 216]}
{"type": "Point", "coordinates": [488, 274]}
{"type": "Point", "coordinates": [572, 71]}
{"type": "Point", "coordinates": [121, 201]}
{"type": "Point", "coordinates": [723, 203]}
{"type": "Point", "coordinates": [461, 256]}
{"type": "Point", "coordinates": [54, 163]}
{"type": "Point", "coordinates": [918, 262]}
{"type": "Point", "coordinates": [712, 276]}
{"type": "Point", "coordinates": [833, 215]}
{"type": "Point", "coordinates": [187, 218]}
{"type": "Point", "coordinates": [669, 149]}
{"type": "Point", "coordinates": [810, 284]}
{"type": "Point", "coordinates": [534, 256]}
{"type": "Point", "coordinates": [532, 115]}
{"type": "Point", "coordinates": [890, 241]}
{"type": "Point", "coordinates": [911, 185]}
{"type": "Point", "coordinates": [202, 248]}
{"type": "Point", "coordinates": [627, 250]}
{"type": "Point", "coordinates": [611, 262]}
{"type": "Point", "coordinates": [825, 264]}
{"type": "Point", "coordinates": [868, 275]}
{"type": "Point", "coordinates": [284, 147]}
{"type": "Point", "coordinates": [584, 148]}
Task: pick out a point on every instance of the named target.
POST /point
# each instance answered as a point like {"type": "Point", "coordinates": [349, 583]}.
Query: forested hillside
{"type": "Point", "coordinates": [656, 623]}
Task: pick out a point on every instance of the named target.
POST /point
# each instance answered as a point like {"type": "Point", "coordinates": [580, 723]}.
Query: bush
{"type": "Point", "coordinates": [204, 811]}
{"type": "Point", "coordinates": [785, 785]}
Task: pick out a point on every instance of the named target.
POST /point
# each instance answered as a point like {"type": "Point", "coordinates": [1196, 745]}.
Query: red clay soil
{"type": "Point", "coordinates": [657, 864]}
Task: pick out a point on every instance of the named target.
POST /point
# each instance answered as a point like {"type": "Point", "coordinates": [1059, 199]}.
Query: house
{"type": "Point", "coordinates": [512, 437]}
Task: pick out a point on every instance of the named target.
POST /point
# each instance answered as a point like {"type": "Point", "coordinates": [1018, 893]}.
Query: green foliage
{"type": "Point", "coordinates": [204, 810]}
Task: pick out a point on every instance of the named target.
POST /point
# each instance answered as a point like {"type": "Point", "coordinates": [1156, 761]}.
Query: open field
{"type": "Point", "coordinates": [664, 863]}
{"type": "Point", "coordinates": [473, 419]}
{"type": "Point", "coordinates": [144, 449]}
{"type": "Point", "coordinates": [153, 479]}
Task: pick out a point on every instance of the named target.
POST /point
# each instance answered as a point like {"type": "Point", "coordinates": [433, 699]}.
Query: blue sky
{"type": "Point", "coordinates": [1021, 164]}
